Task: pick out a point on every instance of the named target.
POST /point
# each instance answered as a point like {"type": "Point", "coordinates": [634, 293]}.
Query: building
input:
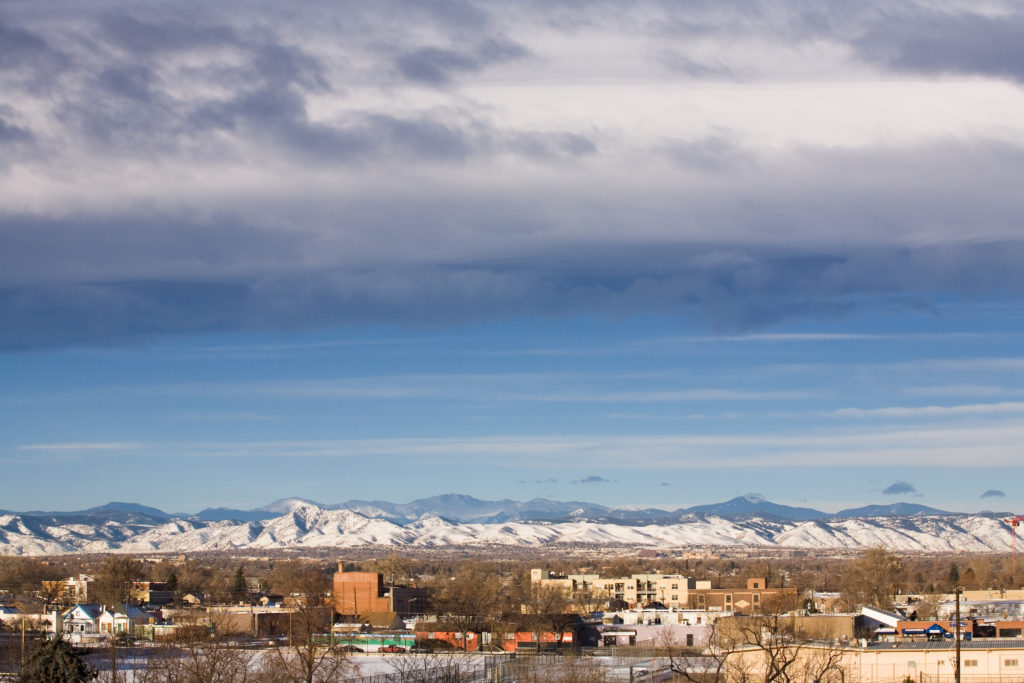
{"type": "Point", "coordinates": [509, 636]}
{"type": "Point", "coordinates": [357, 593]}
{"type": "Point", "coordinates": [151, 593]}
{"type": "Point", "coordinates": [670, 590]}
{"type": "Point", "coordinates": [638, 590]}
{"type": "Point", "coordinates": [756, 597]}
{"type": "Point", "coordinates": [124, 619]}
{"type": "Point", "coordinates": [70, 591]}
{"type": "Point", "coordinates": [82, 619]}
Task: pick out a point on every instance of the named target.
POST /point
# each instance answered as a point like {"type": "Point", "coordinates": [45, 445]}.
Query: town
{"type": "Point", "coordinates": [875, 616]}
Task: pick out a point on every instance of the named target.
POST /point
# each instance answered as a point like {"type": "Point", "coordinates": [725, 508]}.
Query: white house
{"type": "Point", "coordinates": [123, 619]}
{"type": "Point", "coordinates": [82, 619]}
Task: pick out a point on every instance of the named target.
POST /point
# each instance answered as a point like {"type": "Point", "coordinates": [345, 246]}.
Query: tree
{"type": "Point", "coordinates": [770, 648]}
{"type": "Point", "coordinates": [588, 599]}
{"type": "Point", "coordinates": [471, 600]}
{"type": "Point", "coordinates": [55, 661]}
{"type": "Point", "coordinates": [698, 665]}
{"type": "Point", "coordinates": [435, 668]}
{"type": "Point", "coordinates": [310, 656]}
{"type": "Point", "coordinates": [239, 587]}
{"type": "Point", "coordinates": [954, 576]}
{"type": "Point", "coordinates": [198, 656]}
{"type": "Point", "coordinates": [395, 569]}
{"type": "Point", "coordinates": [544, 607]}
{"type": "Point", "coordinates": [873, 578]}
{"type": "Point", "coordinates": [566, 670]}
{"type": "Point", "coordinates": [115, 578]}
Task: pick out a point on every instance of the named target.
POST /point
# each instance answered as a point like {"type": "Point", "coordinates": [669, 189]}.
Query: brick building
{"type": "Point", "coordinates": [358, 593]}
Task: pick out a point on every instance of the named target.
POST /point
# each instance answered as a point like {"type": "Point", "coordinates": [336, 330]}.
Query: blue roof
{"type": "Point", "coordinates": [93, 611]}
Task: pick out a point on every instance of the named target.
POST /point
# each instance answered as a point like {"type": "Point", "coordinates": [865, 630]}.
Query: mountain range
{"type": "Point", "coordinates": [463, 508]}
{"type": "Point", "coordinates": [452, 519]}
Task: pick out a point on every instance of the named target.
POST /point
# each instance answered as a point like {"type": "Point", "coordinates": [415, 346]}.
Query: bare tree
{"type": "Point", "coordinates": [451, 667]}
{"type": "Point", "coordinates": [695, 664]}
{"type": "Point", "coordinates": [470, 600]}
{"type": "Point", "coordinates": [198, 655]}
{"type": "Point", "coordinates": [873, 578]}
{"type": "Point", "coordinates": [544, 609]}
{"type": "Point", "coordinates": [770, 647]}
{"type": "Point", "coordinates": [115, 578]}
{"type": "Point", "coordinates": [565, 670]}
{"type": "Point", "coordinates": [311, 655]}
{"type": "Point", "coordinates": [588, 599]}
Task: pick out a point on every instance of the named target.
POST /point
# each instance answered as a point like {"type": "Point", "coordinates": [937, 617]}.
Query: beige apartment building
{"type": "Point", "coordinates": [638, 590]}
{"type": "Point", "coordinates": [671, 590]}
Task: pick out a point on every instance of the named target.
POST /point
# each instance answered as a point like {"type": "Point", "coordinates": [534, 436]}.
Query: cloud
{"type": "Point", "coordinates": [958, 42]}
{"type": "Point", "coordinates": [898, 488]}
{"type": "Point", "coordinates": [593, 479]}
{"type": "Point", "coordinates": [436, 66]}
{"type": "Point", "coordinates": [80, 446]}
{"type": "Point", "coordinates": [934, 411]}
{"type": "Point", "coordinates": [993, 493]}
{"type": "Point", "coordinates": [435, 163]}
{"type": "Point", "coordinates": [987, 446]}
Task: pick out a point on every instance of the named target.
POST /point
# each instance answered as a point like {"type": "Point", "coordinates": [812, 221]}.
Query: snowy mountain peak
{"type": "Point", "coordinates": [309, 526]}
{"type": "Point", "coordinates": [286, 505]}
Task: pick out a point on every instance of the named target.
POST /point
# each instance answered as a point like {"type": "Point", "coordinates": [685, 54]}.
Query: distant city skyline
{"type": "Point", "coordinates": [657, 254]}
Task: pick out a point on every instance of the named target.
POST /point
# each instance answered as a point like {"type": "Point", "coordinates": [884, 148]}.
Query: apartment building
{"type": "Point", "coordinates": [671, 590]}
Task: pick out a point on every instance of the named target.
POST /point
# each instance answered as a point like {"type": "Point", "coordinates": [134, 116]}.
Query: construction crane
{"type": "Point", "coordinates": [1013, 522]}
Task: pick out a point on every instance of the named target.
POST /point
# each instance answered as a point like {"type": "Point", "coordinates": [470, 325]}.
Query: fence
{"type": "Point", "coordinates": [636, 665]}
{"type": "Point", "coordinates": [967, 678]}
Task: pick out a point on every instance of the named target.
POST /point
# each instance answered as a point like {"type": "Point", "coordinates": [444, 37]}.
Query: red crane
{"type": "Point", "coordinates": [1013, 522]}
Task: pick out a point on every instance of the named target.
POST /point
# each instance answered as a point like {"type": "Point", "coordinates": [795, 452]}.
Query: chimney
{"type": "Point", "coordinates": [341, 568]}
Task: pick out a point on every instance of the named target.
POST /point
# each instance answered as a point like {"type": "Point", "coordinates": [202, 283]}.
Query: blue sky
{"type": "Point", "coordinates": [648, 253]}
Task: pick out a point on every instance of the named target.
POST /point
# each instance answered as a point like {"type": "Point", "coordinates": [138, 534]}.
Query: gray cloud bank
{"type": "Point", "coordinates": [175, 168]}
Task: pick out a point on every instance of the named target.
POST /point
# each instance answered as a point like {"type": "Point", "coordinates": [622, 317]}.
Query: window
{"type": "Point", "coordinates": [970, 662]}
{"type": "Point", "coordinates": [757, 598]}
{"type": "Point", "coordinates": [911, 664]}
{"type": "Point", "coordinates": [689, 641]}
{"type": "Point", "coordinates": [756, 584]}
{"type": "Point", "coordinates": [675, 586]}
{"type": "Point", "coordinates": [1010, 662]}
{"type": "Point", "coordinates": [728, 597]}
{"type": "Point", "coordinates": [675, 597]}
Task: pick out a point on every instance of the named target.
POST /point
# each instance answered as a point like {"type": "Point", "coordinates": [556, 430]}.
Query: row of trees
{"type": "Point", "coordinates": [469, 590]}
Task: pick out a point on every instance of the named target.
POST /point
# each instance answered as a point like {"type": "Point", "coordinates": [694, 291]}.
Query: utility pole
{"type": "Point", "coordinates": [956, 671]}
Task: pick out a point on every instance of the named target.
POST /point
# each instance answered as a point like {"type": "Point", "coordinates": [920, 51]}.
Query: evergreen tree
{"type": "Point", "coordinates": [239, 588]}
{"type": "Point", "coordinates": [55, 661]}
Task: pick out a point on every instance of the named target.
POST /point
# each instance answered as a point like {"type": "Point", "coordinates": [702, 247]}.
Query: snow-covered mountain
{"type": "Point", "coordinates": [308, 525]}
{"type": "Point", "coordinates": [463, 508]}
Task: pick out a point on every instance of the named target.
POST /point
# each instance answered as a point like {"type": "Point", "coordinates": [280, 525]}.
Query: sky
{"type": "Point", "coordinates": [636, 253]}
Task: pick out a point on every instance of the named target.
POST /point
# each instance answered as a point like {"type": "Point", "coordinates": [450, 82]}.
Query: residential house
{"type": "Point", "coordinates": [124, 619]}
{"type": "Point", "coordinates": [82, 619]}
